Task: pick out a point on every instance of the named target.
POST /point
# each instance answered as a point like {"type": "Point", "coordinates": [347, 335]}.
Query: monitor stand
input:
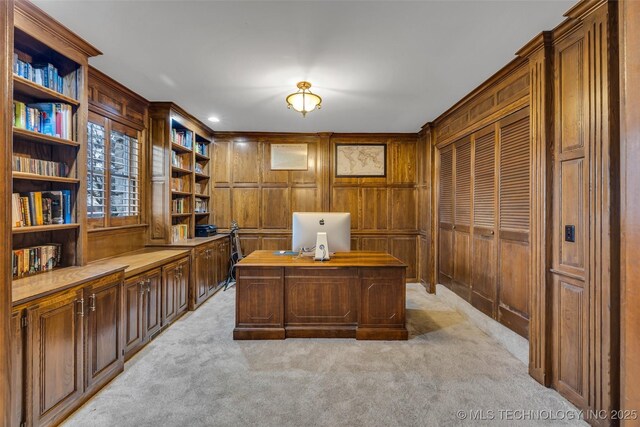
{"type": "Point", "coordinates": [322, 247]}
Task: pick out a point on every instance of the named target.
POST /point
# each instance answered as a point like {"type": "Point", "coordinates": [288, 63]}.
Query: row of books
{"type": "Point", "coordinates": [201, 148]}
{"type": "Point", "coordinates": [201, 206]}
{"type": "Point", "coordinates": [40, 167]}
{"type": "Point", "coordinates": [179, 184]}
{"type": "Point", "coordinates": [48, 118]}
{"type": "Point", "coordinates": [47, 75]}
{"type": "Point", "coordinates": [179, 161]}
{"type": "Point", "coordinates": [182, 137]}
{"type": "Point", "coordinates": [41, 208]}
{"type": "Point", "coordinates": [36, 259]}
{"type": "Point", "coordinates": [179, 232]}
{"type": "Point", "coordinates": [180, 205]}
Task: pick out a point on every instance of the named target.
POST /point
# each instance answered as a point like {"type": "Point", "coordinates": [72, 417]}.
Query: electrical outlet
{"type": "Point", "coordinates": [569, 233]}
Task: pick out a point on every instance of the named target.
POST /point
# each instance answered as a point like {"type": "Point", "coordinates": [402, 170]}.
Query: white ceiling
{"type": "Point", "coordinates": [380, 66]}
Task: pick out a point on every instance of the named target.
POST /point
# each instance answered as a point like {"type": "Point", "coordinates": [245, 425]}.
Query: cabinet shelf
{"type": "Point", "coordinates": [42, 228]}
{"type": "Point", "coordinates": [200, 176]}
{"type": "Point", "coordinates": [41, 138]}
{"type": "Point", "coordinates": [36, 177]}
{"type": "Point", "coordinates": [202, 213]}
{"type": "Point", "coordinates": [203, 196]}
{"type": "Point", "coordinates": [180, 193]}
{"type": "Point", "coordinates": [180, 148]}
{"type": "Point", "coordinates": [180, 170]}
{"type": "Point", "coordinates": [34, 90]}
{"type": "Point", "coordinates": [180, 215]}
{"type": "Point", "coordinates": [202, 157]}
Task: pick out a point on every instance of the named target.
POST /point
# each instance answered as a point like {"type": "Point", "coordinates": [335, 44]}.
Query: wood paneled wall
{"type": "Point", "coordinates": [483, 206]}
{"type": "Point", "coordinates": [6, 182]}
{"type": "Point", "coordinates": [425, 246]}
{"type": "Point", "coordinates": [629, 15]}
{"type": "Point", "coordinates": [384, 211]}
{"type": "Point", "coordinates": [114, 101]}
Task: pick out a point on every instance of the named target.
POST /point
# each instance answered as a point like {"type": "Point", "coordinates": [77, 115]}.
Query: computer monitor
{"type": "Point", "coordinates": [306, 225]}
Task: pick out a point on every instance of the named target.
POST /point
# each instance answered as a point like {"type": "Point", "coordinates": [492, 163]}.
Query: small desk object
{"type": "Point", "coordinates": [353, 295]}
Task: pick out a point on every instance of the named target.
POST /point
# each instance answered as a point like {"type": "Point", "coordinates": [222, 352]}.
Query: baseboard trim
{"type": "Point", "coordinates": [511, 341]}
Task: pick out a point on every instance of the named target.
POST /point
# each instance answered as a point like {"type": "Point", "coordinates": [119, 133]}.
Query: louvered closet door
{"type": "Point", "coordinates": [445, 212]}
{"type": "Point", "coordinates": [462, 220]}
{"type": "Point", "coordinates": [483, 261]}
{"type": "Point", "coordinates": [514, 206]}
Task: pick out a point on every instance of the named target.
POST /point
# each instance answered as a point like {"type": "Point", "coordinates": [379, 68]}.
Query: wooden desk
{"type": "Point", "coordinates": [353, 295]}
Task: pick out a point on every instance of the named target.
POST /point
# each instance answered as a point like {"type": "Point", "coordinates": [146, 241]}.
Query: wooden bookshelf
{"type": "Point", "coordinates": [36, 177]}
{"type": "Point", "coordinates": [33, 44]}
{"type": "Point", "coordinates": [44, 228]}
{"type": "Point", "coordinates": [193, 172]}
{"type": "Point", "coordinates": [40, 138]}
{"type": "Point", "coordinates": [39, 92]}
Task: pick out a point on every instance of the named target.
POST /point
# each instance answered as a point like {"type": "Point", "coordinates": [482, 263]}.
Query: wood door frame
{"type": "Point", "coordinates": [6, 143]}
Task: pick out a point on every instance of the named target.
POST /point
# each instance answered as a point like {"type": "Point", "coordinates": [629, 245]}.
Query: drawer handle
{"type": "Point", "coordinates": [81, 302]}
{"type": "Point", "coordinates": [92, 302]}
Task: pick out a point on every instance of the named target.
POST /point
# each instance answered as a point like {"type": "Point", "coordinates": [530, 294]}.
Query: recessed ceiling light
{"type": "Point", "coordinates": [214, 119]}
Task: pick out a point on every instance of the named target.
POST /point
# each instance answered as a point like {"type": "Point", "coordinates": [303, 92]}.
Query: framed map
{"type": "Point", "coordinates": [361, 160]}
{"type": "Point", "coordinates": [289, 157]}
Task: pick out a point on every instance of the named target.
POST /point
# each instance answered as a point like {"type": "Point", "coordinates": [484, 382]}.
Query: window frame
{"type": "Point", "coordinates": [108, 220]}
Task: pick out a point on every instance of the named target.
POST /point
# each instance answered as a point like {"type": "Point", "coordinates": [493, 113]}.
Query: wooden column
{"type": "Point", "coordinates": [6, 146]}
{"type": "Point", "coordinates": [629, 24]}
{"type": "Point", "coordinates": [540, 54]}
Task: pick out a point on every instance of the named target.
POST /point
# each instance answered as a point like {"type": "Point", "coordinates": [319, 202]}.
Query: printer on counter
{"type": "Point", "coordinates": [206, 230]}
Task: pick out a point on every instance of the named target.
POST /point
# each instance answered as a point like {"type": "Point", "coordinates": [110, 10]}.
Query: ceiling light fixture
{"type": "Point", "coordinates": [214, 119]}
{"type": "Point", "coordinates": [304, 101]}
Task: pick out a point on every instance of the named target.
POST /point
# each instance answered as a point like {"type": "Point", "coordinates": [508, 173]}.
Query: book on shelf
{"type": "Point", "coordinates": [39, 167]}
{"type": "Point", "coordinates": [36, 259]}
{"type": "Point", "coordinates": [201, 206]}
{"type": "Point", "coordinates": [41, 208]}
{"type": "Point", "coordinates": [182, 137]}
{"type": "Point", "coordinates": [180, 205]}
{"type": "Point", "coordinates": [178, 161]}
{"type": "Point", "coordinates": [199, 188]}
{"type": "Point", "coordinates": [47, 75]}
{"type": "Point", "coordinates": [179, 232]}
{"type": "Point", "coordinates": [201, 148]}
{"type": "Point", "coordinates": [47, 118]}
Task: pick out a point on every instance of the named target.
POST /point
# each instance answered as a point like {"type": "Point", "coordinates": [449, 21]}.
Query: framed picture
{"type": "Point", "coordinates": [361, 160]}
{"type": "Point", "coordinates": [289, 157]}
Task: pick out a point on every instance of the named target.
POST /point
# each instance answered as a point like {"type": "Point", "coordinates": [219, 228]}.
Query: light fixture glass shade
{"type": "Point", "coordinates": [304, 100]}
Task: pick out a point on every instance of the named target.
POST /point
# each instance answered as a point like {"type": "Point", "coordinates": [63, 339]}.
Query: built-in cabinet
{"type": "Point", "coordinates": [210, 264]}
{"type": "Point", "coordinates": [175, 290]}
{"type": "Point", "coordinates": [66, 347]}
{"type": "Point", "coordinates": [142, 309]}
{"type": "Point", "coordinates": [484, 214]}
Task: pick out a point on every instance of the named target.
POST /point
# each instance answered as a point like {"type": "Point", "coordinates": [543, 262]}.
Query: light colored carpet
{"type": "Point", "coordinates": [194, 374]}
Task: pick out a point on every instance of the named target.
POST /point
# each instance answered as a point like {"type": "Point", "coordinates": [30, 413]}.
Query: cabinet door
{"type": "Point", "coordinates": [152, 303]}
{"type": "Point", "coordinates": [202, 274]}
{"type": "Point", "coordinates": [56, 356]}
{"type": "Point", "coordinates": [182, 289]}
{"type": "Point", "coordinates": [104, 331]}
{"type": "Point", "coordinates": [170, 279]}
{"type": "Point", "coordinates": [134, 293]}
{"type": "Point", "coordinates": [223, 262]}
{"type": "Point", "coordinates": [17, 369]}
{"type": "Point", "coordinates": [214, 261]}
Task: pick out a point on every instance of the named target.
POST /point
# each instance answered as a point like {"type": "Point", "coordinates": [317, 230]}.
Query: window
{"type": "Point", "coordinates": [95, 171]}
{"type": "Point", "coordinates": [113, 173]}
{"type": "Point", "coordinates": [123, 194]}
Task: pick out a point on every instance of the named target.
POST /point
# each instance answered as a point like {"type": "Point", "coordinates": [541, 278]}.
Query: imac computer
{"type": "Point", "coordinates": [322, 232]}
